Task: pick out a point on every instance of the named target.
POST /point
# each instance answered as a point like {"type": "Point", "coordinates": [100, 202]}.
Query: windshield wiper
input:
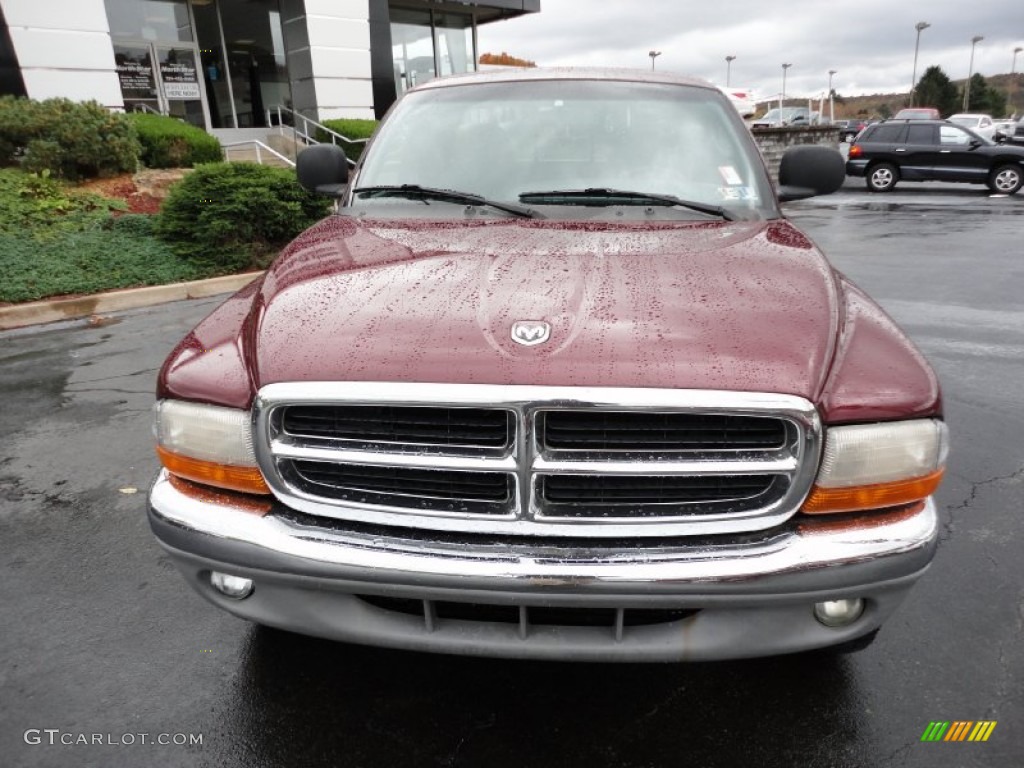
{"type": "Point", "coordinates": [432, 193]}
{"type": "Point", "coordinates": [602, 196]}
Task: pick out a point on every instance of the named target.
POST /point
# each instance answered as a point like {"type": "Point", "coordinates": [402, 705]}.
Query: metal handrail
{"type": "Point", "coordinates": [260, 149]}
{"type": "Point", "coordinates": [140, 107]}
{"type": "Point", "coordinates": [307, 136]}
{"type": "Point", "coordinates": [281, 110]}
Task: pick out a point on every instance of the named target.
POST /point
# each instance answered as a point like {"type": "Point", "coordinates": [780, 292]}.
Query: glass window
{"type": "Point", "coordinates": [255, 60]}
{"type": "Point", "coordinates": [920, 134]}
{"type": "Point", "coordinates": [412, 50]}
{"type": "Point", "coordinates": [180, 78]}
{"type": "Point", "coordinates": [453, 38]}
{"type": "Point", "coordinates": [164, 20]}
{"type": "Point", "coordinates": [135, 73]}
{"type": "Point", "coordinates": [886, 134]}
{"type": "Point", "coordinates": [215, 72]}
{"type": "Point", "coordinates": [951, 135]}
{"type": "Point", "coordinates": [507, 139]}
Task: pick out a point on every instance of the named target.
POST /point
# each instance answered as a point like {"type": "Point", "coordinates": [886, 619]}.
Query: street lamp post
{"type": "Point", "coordinates": [970, 71]}
{"type": "Point", "coordinates": [920, 27]}
{"type": "Point", "coordinates": [728, 68]}
{"type": "Point", "coordinates": [1013, 68]}
{"type": "Point", "coordinates": [653, 55]}
{"type": "Point", "coordinates": [831, 101]}
{"type": "Point", "coordinates": [782, 100]}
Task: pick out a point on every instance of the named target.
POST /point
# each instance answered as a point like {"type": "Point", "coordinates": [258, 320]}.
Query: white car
{"type": "Point", "coordinates": [776, 118]}
{"type": "Point", "coordinates": [1005, 127]}
{"type": "Point", "coordinates": [983, 125]}
{"type": "Point", "coordinates": [741, 98]}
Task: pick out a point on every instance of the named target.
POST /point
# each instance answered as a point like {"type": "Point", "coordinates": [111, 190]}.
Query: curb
{"type": "Point", "coordinates": [54, 310]}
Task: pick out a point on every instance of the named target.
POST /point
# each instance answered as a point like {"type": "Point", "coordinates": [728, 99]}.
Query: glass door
{"type": "Point", "coordinates": [182, 93]}
{"type": "Point", "coordinates": [134, 62]}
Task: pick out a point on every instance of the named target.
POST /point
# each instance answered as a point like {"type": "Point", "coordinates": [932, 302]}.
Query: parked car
{"type": "Point", "coordinates": [933, 150]}
{"type": "Point", "coordinates": [557, 380]}
{"type": "Point", "coordinates": [741, 98]}
{"type": "Point", "coordinates": [918, 113]}
{"type": "Point", "coordinates": [983, 125]}
{"type": "Point", "coordinates": [1003, 129]}
{"type": "Point", "coordinates": [1017, 137]}
{"type": "Point", "coordinates": [777, 118]}
{"type": "Point", "coordinates": [852, 128]}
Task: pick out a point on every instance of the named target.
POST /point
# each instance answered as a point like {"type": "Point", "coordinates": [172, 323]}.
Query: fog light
{"type": "Point", "coordinates": [231, 586]}
{"type": "Point", "coordinates": [839, 613]}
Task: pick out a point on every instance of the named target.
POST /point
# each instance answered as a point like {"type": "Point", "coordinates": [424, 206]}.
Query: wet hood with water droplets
{"type": "Point", "coordinates": [735, 305]}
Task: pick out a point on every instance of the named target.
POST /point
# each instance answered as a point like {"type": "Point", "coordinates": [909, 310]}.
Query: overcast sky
{"type": "Point", "coordinates": [869, 42]}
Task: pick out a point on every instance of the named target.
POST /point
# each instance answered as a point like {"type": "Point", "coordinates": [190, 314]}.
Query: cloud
{"type": "Point", "coordinates": [870, 43]}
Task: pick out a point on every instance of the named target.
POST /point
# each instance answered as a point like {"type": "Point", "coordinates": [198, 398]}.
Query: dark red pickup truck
{"type": "Point", "coordinates": [558, 380]}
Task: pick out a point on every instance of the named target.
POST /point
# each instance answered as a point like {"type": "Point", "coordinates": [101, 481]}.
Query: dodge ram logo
{"type": "Point", "coordinates": [530, 332]}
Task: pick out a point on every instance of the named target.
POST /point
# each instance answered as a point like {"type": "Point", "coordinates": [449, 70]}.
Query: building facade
{"type": "Point", "coordinates": [224, 64]}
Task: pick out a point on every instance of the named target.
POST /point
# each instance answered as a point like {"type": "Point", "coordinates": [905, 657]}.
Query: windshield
{"type": "Point", "coordinates": [970, 122]}
{"type": "Point", "coordinates": [505, 140]}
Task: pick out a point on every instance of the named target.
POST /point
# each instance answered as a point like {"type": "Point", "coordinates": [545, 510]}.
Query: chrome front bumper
{"type": "Point", "coordinates": [753, 593]}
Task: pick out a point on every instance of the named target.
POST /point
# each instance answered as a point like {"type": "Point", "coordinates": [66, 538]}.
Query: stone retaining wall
{"type": "Point", "coordinates": [773, 142]}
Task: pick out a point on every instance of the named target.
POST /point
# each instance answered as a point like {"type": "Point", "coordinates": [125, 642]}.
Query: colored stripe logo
{"type": "Point", "coordinates": [958, 730]}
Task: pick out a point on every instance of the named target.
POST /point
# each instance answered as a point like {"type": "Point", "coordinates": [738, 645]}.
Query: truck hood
{"type": "Point", "coordinates": [734, 305]}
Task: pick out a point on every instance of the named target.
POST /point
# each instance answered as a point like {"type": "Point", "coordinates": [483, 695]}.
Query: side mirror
{"type": "Point", "coordinates": [810, 170]}
{"type": "Point", "coordinates": [322, 169]}
{"type": "Point", "coordinates": [999, 137]}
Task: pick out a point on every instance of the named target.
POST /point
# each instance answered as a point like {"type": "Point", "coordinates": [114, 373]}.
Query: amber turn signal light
{"type": "Point", "coordinates": [244, 479]}
{"type": "Point", "coordinates": [823, 501]}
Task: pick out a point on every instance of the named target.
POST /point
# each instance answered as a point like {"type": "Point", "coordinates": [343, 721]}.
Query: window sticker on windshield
{"type": "Point", "coordinates": [729, 175]}
{"type": "Point", "coordinates": [737, 193]}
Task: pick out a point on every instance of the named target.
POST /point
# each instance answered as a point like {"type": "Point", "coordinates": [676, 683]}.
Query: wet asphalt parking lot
{"type": "Point", "coordinates": [100, 635]}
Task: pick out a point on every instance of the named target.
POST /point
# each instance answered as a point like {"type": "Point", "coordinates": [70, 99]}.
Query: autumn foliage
{"type": "Point", "coordinates": [504, 60]}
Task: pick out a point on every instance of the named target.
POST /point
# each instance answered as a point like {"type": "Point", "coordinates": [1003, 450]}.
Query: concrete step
{"type": "Point", "coordinates": [250, 154]}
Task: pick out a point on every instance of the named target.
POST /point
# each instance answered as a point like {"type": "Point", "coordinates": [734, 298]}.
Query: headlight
{"type": "Point", "coordinates": [873, 466]}
{"type": "Point", "coordinates": [208, 444]}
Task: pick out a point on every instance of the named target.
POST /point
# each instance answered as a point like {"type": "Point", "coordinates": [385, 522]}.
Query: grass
{"type": "Point", "coordinates": [55, 242]}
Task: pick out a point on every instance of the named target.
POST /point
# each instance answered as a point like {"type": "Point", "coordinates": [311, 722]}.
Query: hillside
{"type": "Point", "coordinates": [871, 105]}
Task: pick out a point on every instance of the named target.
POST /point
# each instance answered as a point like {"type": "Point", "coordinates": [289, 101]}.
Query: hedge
{"type": "Point", "coordinates": [170, 143]}
{"type": "Point", "coordinates": [73, 140]}
{"type": "Point", "coordinates": [231, 216]}
{"type": "Point", "coordinates": [350, 129]}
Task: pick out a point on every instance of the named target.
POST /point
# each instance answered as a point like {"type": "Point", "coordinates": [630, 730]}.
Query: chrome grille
{"type": "Point", "coordinates": [552, 461]}
{"type": "Point", "coordinates": [421, 427]}
{"type": "Point", "coordinates": [653, 495]}
{"type": "Point", "coordinates": [428, 489]}
{"type": "Point", "coordinates": [657, 432]}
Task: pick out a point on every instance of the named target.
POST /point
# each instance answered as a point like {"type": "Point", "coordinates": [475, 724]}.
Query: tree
{"type": "Point", "coordinates": [504, 60]}
{"type": "Point", "coordinates": [935, 89]}
{"type": "Point", "coordinates": [985, 98]}
{"type": "Point", "coordinates": [884, 111]}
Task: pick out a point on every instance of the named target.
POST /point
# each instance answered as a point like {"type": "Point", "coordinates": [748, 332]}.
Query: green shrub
{"type": "Point", "coordinates": [351, 129]}
{"type": "Point", "coordinates": [55, 241]}
{"type": "Point", "coordinates": [138, 224]}
{"type": "Point", "coordinates": [35, 206]}
{"type": "Point", "coordinates": [99, 258]}
{"type": "Point", "coordinates": [236, 215]}
{"type": "Point", "coordinates": [69, 139]}
{"type": "Point", "coordinates": [171, 143]}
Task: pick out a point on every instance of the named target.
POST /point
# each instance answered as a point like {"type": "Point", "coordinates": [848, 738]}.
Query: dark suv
{"type": "Point", "coordinates": [933, 150]}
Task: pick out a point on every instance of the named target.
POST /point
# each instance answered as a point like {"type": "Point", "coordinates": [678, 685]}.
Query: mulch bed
{"type": "Point", "coordinates": [124, 188]}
